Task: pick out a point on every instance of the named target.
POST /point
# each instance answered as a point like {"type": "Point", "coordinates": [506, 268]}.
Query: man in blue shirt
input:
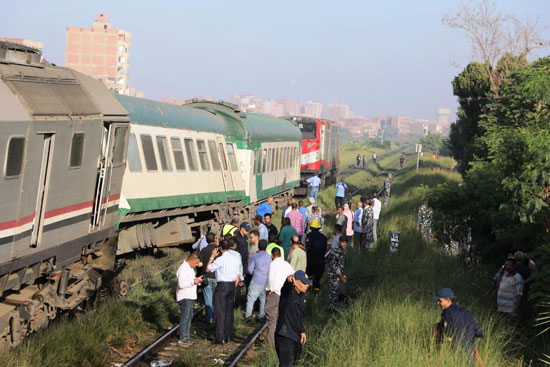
{"type": "Point", "coordinates": [341, 189]}
{"type": "Point", "coordinates": [357, 229]}
{"type": "Point", "coordinates": [314, 183]}
{"type": "Point", "coordinates": [258, 267]}
{"type": "Point", "coordinates": [265, 207]}
{"type": "Point", "coordinates": [457, 323]}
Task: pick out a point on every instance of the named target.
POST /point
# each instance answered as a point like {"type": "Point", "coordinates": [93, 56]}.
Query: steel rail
{"type": "Point", "coordinates": [245, 349]}
{"type": "Point", "coordinates": [157, 344]}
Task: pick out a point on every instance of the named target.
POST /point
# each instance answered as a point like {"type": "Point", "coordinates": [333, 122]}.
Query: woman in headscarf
{"type": "Point", "coordinates": [348, 231]}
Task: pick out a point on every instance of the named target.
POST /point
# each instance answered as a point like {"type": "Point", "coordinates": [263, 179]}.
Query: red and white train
{"type": "Point", "coordinates": [320, 150]}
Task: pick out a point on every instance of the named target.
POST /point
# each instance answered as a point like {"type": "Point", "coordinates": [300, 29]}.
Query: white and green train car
{"type": "Point", "coordinates": [191, 167]}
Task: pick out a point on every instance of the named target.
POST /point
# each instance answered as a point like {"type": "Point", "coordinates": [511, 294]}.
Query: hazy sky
{"type": "Point", "coordinates": [380, 57]}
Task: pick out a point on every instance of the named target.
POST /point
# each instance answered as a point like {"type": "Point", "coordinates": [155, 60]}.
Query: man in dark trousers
{"type": "Point", "coordinates": [227, 268]}
{"type": "Point", "coordinates": [457, 324]}
{"type": "Point", "coordinates": [290, 334]}
{"type": "Point", "coordinates": [316, 247]}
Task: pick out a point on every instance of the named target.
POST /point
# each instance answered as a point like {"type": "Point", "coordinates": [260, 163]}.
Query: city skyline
{"type": "Point", "coordinates": [374, 58]}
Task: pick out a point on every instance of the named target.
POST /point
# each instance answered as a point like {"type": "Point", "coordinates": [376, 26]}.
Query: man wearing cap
{"type": "Point", "coordinates": [315, 214]}
{"type": "Point", "coordinates": [262, 229]}
{"type": "Point", "coordinates": [457, 323]}
{"type": "Point", "coordinates": [265, 207]}
{"type": "Point", "coordinates": [278, 272]}
{"type": "Point", "coordinates": [232, 227]}
{"type": "Point", "coordinates": [290, 334]}
{"type": "Point", "coordinates": [316, 247]}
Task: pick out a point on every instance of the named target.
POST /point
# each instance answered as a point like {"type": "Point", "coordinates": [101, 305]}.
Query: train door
{"type": "Point", "coordinates": [226, 169]}
{"type": "Point", "coordinates": [111, 169]}
{"type": "Point", "coordinates": [48, 140]}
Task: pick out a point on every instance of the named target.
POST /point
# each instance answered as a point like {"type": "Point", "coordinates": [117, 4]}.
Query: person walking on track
{"type": "Point", "coordinates": [387, 189]}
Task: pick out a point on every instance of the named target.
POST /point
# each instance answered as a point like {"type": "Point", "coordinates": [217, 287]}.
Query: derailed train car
{"type": "Point", "coordinates": [63, 150]}
{"type": "Point", "coordinates": [192, 167]}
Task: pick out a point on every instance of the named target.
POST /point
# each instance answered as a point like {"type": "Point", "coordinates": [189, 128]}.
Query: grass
{"type": "Point", "coordinates": [389, 321]}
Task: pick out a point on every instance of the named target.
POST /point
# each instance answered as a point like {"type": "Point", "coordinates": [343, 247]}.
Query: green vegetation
{"type": "Point", "coordinates": [390, 318]}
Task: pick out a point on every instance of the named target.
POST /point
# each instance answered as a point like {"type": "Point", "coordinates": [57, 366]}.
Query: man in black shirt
{"type": "Point", "coordinates": [209, 278]}
{"type": "Point", "coordinates": [316, 247]}
{"type": "Point", "coordinates": [272, 229]}
{"type": "Point", "coordinates": [290, 334]}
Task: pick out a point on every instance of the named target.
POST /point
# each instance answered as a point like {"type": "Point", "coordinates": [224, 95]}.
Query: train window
{"type": "Point", "coordinates": [134, 162]}
{"type": "Point", "coordinates": [77, 149]}
{"type": "Point", "coordinates": [191, 155]}
{"type": "Point", "coordinates": [119, 149]}
{"type": "Point", "coordinates": [272, 160]}
{"type": "Point", "coordinates": [162, 147]}
{"type": "Point", "coordinates": [178, 153]}
{"type": "Point", "coordinates": [203, 155]}
{"type": "Point", "coordinates": [296, 157]}
{"type": "Point", "coordinates": [223, 157]}
{"type": "Point", "coordinates": [148, 152]}
{"type": "Point", "coordinates": [214, 155]}
{"type": "Point", "coordinates": [280, 165]}
{"type": "Point", "coordinates": [15, 157]}
{"type": "Point", "coordinates": [309, 130]}
{"type": "Point", "coordinates": [264, 160]}
{"type": "Point", "coordinates": [258, 161]}
{"type": "Point", "coordinates": [287, 163]}
{"type": "Point", "coordinates": [232, 156]}
{"type": "Point", "coordinates": [275, 158]}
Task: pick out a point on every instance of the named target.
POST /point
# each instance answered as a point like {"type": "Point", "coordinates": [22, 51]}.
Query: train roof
{"type": "Point", "coordinates": [259, 128]}
{"type": "Point", "coordinates": [148, 112]}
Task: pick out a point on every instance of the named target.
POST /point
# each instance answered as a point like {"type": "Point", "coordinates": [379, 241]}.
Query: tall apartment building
{"type": "Point", "coordinates": [313, 109]}
{"type": "Point", "coordinates": [101, 52]}
{"type": "Point", "coordinates": [337, 111]}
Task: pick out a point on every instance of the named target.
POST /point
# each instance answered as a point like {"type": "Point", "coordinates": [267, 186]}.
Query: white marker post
{"type": "Point", "coordinates": [418, 151]}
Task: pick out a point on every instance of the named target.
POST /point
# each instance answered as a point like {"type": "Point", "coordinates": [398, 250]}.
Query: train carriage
{"type": "Point", "coordinates": [268, 152]}
{"type": "Point", "coordinates": [62, 150]}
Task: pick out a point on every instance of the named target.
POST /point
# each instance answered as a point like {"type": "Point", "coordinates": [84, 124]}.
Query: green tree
{"type": "Point", "coordinates": [432, 143]}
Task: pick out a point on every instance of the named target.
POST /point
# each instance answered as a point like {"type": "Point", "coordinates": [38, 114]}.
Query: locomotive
{"type": "Point", "coordinates": [320, 150]}
{"type": "Point", "coordinates": [89, 175]}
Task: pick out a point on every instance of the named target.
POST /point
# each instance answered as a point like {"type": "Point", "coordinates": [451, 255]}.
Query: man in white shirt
{"type": "Point", "coordinates": [314, 183]}
{"type": "Point", "coordinates": [186, 294]}
{"type": "Point", "coordinates": [376, 215]}
{"type": "Point", "coordinates": [279, 271]}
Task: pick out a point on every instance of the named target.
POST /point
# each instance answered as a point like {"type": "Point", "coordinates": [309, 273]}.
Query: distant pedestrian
{"type": "Point", "coordinates": [424, 221]}
{"type": "Point", "coordinates": [186, 294]}
{"type": "Point", "coordinates": [341, 188]}
{"type": "Point", "coordinates": [457, 324]}
{"type": "Point", "coordinates": [227, 269]}
{"type": "Point", "coordinates": [336, 275]}
{"type": "Point", "coordinates": [358, 160]}
{"type": "Point", "coordinates": [509, 285]}
{"type": "Point", "coordinates": [265, 207]}
{"type": "Point", "coordinates": [232, 227]}
{"type": "Point", "coordinates": [297, 257]}
{"type": "Point", "coordinates": [290, 332]}
{"type": "Point", "coordinates": [209, 278]}
{"type": "Point", "coordinates": [286, 234]}
{"type": "Point", "coordinates": [401, 161]}
{"type": "Point", "coordinates": [271, 228]}
{"type": "Point", "coordinates": [259, 268]}
{"type": "Point", "coordinates": [357, 229]}
{"type": "Point", "coordinates": [367, 222]}
{"type": "Point", "coordinates": [314, 184]}
{"type": "Point", "coordinates": [277, 275]}
{"type": "Point", "coordinates": [316, 247]}
{"type": "Point", "coordinates": [374, 157]}
{"type": "Point", "coordinates": [262, 229]}
{"type": "Point", "coordinates": [387, 189]}
{"type": "Point", "coordinates": [377, 208]}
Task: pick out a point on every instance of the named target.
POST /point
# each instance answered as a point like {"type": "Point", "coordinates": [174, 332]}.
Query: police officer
{"type": "Point", "coordinates": [424, 221]}
{"type": "Point", "coordinates": [457, 324]}
{"type": "Point", "coordinates": [387, 189]}
{"type": "Point", "coordinates": [336, 277]}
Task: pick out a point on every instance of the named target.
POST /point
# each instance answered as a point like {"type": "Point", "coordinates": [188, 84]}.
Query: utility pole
{"type": "Point", "coordinates": [418, 151]}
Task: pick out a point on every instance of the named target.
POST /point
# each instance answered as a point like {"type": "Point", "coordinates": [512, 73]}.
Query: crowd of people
{"type": "Point", "coordinates": [268, 268]}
